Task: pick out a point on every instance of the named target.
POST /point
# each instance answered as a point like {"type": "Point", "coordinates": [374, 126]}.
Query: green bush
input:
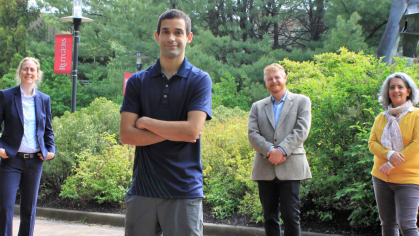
{"type": "Point", "coordinates": [227, 159]}
{"type": "Point", "coordinates": [226, 94]}
{"type": "Point", "coordinates": [343, 89]}
{"type": "Point", "coordinates": [58, 87]}
{"type": "Point", "coordinates": [76, 133]}
{"type": "Point", "coordinates": [8, 80]}
{"type": "Point", "coordinates": [104, 177]}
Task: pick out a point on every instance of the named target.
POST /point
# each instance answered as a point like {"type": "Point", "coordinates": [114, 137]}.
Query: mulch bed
{"type": "Point", "coordinates": [51, 200]}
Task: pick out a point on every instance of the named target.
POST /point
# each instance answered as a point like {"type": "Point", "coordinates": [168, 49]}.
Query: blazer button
{"type": "Point", "coordinates": [275, 140]}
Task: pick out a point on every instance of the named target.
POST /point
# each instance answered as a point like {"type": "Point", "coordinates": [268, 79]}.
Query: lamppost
{"type": "Point", "coordinates": [77, 19]}
{"type": "Point", "coordinates": [139, 56]}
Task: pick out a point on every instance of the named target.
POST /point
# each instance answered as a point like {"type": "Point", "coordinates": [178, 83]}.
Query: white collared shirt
{"type": "Point", "coordinates": [29, 143]}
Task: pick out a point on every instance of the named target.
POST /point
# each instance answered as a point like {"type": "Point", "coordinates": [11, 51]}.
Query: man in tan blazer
{"type": "Point", "coordinates": [278, 126]}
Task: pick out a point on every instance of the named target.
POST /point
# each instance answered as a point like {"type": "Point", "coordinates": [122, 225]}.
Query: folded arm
{"type": "Point", "coordinates": [181, 131]}
{"type": "Point", "coordinates": [407, 154]}
{"type": "Point", "coordinates": [134, 136]}
{"type": "Point", "coordinates": [146, 131]}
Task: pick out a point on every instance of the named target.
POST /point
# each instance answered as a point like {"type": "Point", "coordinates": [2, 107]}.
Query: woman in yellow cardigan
{"type": "Point", "coordinates": [394, 141]}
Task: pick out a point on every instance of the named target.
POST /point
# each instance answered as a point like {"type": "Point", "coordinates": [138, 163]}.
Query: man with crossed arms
{"type": "Point", "coordinates": [164, 109]}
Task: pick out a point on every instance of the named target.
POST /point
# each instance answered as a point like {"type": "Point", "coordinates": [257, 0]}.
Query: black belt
{"type": "Point", "coordinates": [27, 155]}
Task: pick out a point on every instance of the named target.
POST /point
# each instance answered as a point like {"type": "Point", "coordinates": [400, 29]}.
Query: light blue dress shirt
{"type": "Point", "coordinates": [277, 112]}
{"type": "Point", "coordinates": [278, 107]}
{"type": "Point", "coordinates": [29, 143]}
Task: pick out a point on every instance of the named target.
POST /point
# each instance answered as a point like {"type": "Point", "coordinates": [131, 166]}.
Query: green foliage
{"type": "Point", "coordinates": [15, 18]}
{"type": "Point", "coordinates": [103, 175]}
{"type": "Point", "coordinates": [287, 24]}
{"type": "Point", "coordinates": [348, 34]}
{"type": "Point", "coordinates": [8, 80]}
{"type": "Point", "coordinates": [343, 88]}
{"type": "Point", "coordinates": [374, 16]}
{"type": "Point", "coordinates": [244, 61]}
{"type": "Point", "coordinates": [235, 37]}
{"type": "Point", "coordinates": [227, 159]}
{"type": "Point", "coordinates": [57, 86]}
{"type": "Point", "coordinates": [226, 94]}
{"type": "Point", "coordinates": [76, 133]}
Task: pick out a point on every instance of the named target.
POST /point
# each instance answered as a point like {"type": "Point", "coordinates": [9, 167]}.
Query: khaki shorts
{"type": "Point", "coordinates": [159, 216]}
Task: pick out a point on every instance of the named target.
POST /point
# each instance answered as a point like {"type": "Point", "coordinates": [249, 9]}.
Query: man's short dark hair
{"type": "Point", "coordinates": [174, 14]}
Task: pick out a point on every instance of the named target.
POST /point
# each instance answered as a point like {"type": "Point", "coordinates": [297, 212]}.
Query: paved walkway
{"type": "Point", "coordinates": [56, 222]}
{"type": "Point", "coordinates": [45, 227]}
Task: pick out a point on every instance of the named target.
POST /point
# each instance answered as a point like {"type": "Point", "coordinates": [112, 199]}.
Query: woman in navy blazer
{"type": "Point", "coordinates": [27, 140]}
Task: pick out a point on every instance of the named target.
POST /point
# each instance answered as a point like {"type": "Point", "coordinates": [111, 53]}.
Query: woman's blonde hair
{"type": "Point", "coordinates": [38, 70]}
{"type": "Point", "coordinates": [384, 97]}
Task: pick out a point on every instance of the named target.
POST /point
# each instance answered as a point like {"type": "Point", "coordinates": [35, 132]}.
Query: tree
{"type": "Point", "coordinates": [343, 88]}
{"type": "Point", "coordinates": [309, 14]}
{"type": "Point", "coordinates": [238, 37]}
{"type": "Point", "coordinates": [226, 94]}
{"type": "Point", "coordinates": [120, 29]}
{"type": "Point", "coordinates": [15, 19]}
{"type": "Point", "coordinates": [242, 20]}
{"type": "Point", "coordinates": [348, 34]}
{"type": "Point", "coordinates": [374, 16]}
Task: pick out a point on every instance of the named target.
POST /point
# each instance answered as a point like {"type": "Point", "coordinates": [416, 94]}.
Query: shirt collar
{"type": "Point", "coordinates": [23, 94]}
{"type": "Point", "coordinates": [183, 71]}
{"type": "Point", "coordinates": [411, 109]}
{"type": "Point", "coordinates": [282, 99]}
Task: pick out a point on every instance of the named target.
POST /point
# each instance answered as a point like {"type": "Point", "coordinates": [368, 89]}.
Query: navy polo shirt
{"type": "Point", "coordinates": [168, 169]}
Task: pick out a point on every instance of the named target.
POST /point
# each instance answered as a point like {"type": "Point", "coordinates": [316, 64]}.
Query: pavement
{"type": "Point", "coordinates": [57, 222]}
{"type": "Point", "coordinates": [44, 227]}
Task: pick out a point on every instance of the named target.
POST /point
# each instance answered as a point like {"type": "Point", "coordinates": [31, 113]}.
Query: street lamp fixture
{"type": "Point", "coordinates": [139, 56]}
{"type": "Point", "coordinates": [77, 19]}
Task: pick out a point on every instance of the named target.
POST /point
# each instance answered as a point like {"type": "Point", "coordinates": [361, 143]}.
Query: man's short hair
{"type": "Point", "coordinates": [274, 67]}
{"type": "Point", "coordinates": [175, 14]}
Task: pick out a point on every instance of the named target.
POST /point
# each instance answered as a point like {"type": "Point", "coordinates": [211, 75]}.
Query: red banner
{"type": "Point", "coordinates": [63, 53]}
{"type": "Point", "coordinates": [126, 77]}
